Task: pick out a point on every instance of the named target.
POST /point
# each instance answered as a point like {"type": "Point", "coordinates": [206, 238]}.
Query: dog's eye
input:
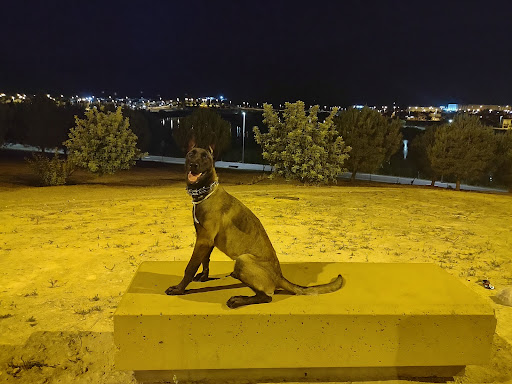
{"type": "Point", "coordinates": [203, 155]}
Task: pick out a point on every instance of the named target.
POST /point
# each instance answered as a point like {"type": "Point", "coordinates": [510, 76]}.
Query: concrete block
{"type": "Point", "coordinates": [388, 320]}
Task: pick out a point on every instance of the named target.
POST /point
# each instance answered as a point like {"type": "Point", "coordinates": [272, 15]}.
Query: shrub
{"type": "Point", "coordinates": [103, 143]}
{"type": "Point", "coordinates": [53, 171]}
{"type": "Point", "coordinates": [300, 147]}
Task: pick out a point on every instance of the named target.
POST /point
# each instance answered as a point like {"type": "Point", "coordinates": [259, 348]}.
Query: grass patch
{"type": "Point", "coordinates": [88, 311]}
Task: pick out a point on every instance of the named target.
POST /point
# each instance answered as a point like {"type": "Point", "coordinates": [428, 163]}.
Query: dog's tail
{"type": "Point", "coordinates": [313, 290]}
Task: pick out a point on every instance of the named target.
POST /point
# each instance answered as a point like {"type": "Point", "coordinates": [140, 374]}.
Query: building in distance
{"type": "Point", "coordinates": [491, 115]}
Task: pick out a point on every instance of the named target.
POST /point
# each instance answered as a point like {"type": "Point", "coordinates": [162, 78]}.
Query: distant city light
{"type": "Point", "coordinates": [411, 113]}
{"type": "Point", "coordinates": [452, 108]}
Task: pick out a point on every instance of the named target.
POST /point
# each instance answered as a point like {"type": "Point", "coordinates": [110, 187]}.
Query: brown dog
{"type": "Point", "coordinates": [224, 222]}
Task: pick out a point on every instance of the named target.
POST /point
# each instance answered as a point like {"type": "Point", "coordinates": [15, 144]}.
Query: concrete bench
{"type": "Point", "coordinates": [388, 321]}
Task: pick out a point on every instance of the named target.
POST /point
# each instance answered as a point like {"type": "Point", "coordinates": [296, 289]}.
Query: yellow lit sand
{"type": "Point", "coordinates": [386, 315]}
{"type": "Point", "coordinates": [67, 254]}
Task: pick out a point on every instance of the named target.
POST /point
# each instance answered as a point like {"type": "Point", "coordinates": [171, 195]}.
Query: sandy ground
{"type": "Point", "coordinates": [68, 253]}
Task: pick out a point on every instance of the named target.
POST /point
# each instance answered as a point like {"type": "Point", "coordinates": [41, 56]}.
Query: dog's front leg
{"type": "Point", "coordinates": [202, 250]}
{"type": "Point", "coordinates": [204, 275]}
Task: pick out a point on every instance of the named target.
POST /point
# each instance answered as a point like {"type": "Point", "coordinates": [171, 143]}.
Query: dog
{"type": "Point", "coordinates": [224, 222]}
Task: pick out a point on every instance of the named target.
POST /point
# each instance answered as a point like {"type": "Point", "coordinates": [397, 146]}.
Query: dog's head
{"type": "Point", "coordinates": [199, 168]}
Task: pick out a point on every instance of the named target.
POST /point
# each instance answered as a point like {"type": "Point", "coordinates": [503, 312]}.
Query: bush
{"type": "Point", "coordinates": [103, 143]}
{"type": "Point", "coordinates": [51, 172]}
{"type": "Point", "coordinates": [300, 147]}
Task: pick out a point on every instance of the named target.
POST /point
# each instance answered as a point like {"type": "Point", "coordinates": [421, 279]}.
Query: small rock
{"type": "Point", "coordinates": [505, 296]}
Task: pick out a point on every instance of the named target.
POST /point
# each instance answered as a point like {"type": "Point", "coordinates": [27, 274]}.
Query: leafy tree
{"type": "Point", "coordinates": [503, 159]}
{"type": "Point", "coordinates": [203, 128]}
{"type": "Point", "coordinates": [300, 147]}
{"type": "Point", "coordinates": [41, 116]}
{"type": "Point", "coordinates": [17, 131]}
{"type": "Point", "coordinates": [103, 142]}
{"type": "Point", "coordinates": [463, 149]}
{"type": "Point", "coordinates": [41, 122]}
{"type": "Point", "coordinates": [6, 120]}
{"type": "Point", "coordinates": [139, 124]}
{"type": "Point", "coordinates": [372, 137]}
{"type": "Point", "coordinates": [419, 153]}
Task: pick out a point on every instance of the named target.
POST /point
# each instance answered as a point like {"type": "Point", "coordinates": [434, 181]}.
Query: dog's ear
{"type": "Point", "coordinates": [191, 145]}
{"type": "Point", "coordinates": [210, 148]}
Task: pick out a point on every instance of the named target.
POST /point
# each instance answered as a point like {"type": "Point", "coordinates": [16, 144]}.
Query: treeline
{"type": "Point", "coordinates": [299, 146]}
{"type": "Point", "coordinates": [295, 142]}
{"type": "Point", "coordinates": [43, 123]}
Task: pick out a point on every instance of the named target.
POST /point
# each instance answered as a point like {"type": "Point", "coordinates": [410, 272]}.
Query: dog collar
{"type": "Point", "coordinates": [199, 192]}
{"type": "Point", "coordinates": [195, 193]}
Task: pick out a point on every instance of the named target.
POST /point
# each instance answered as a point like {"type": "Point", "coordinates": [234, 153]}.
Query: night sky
{"type": "Point", "coordinates": [327, 52]}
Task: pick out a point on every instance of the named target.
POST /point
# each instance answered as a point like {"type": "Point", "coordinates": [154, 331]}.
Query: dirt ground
{"type": "Point", "coordinates": [68, 253]}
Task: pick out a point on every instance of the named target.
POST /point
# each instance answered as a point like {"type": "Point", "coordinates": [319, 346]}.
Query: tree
{"type": "Point", "coordinates": [503, 159]}
{"type": "Point", "coordinates": [463, 149]}
{"type": "Point", "coordinates": [420, 156]}
{"type": "Point", "coordinates": [372, 137]}
{"type": "Point", "coordinates": [41, 117]}
{"type": "Point", "coordinates": [6, 120]}
{"type": "Point", "coordinates": [140, 126]}
{"type": "Point", "coordinates": [17, 131]}
{"type": "Point", "coordinates": [41, 122]}
{"type": "Point", "coordinates": [299, 146]}
{"type": "Point", "coordinates": [203, 128]}
{"type": "Point", "coordinates": [103, 142]}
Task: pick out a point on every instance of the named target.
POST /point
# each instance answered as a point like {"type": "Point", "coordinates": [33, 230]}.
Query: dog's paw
{"type": "Point", "coordinates": [174, 290]}
{"type": "Point", "coordinates": [236, 301]}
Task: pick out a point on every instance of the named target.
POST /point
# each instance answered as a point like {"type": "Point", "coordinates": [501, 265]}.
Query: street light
{"type": "Point", "coordinates": [243, 137]}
